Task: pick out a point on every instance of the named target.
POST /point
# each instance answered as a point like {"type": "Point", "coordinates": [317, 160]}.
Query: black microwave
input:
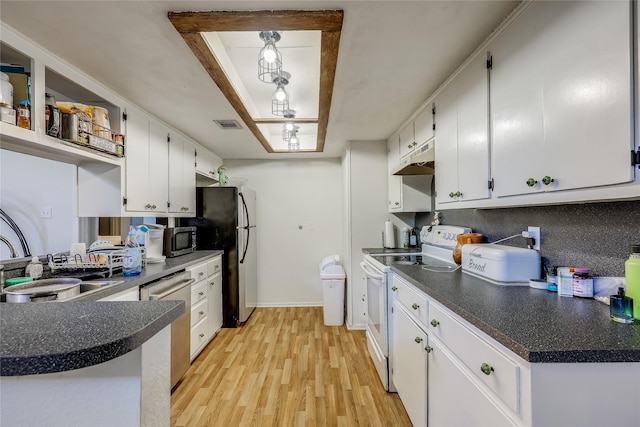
{"type": "Point", "coordinates": [179, 241]}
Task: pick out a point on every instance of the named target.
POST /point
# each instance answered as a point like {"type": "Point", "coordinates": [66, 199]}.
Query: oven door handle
{"type": "Point", "coordinates": [369, 272]}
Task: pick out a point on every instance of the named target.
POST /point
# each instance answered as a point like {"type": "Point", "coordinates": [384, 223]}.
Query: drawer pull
{"type": "Point", "coordinates": [201, 313]}
{"type": "Point", "coordinates": [531, 182]}
{"type": "Point", "coordinates": [201, 335]}
{"type": "Point", "coordinates": [486, 368]}
{"type": "Point", "coordinates": [418, 340]}
{"type": "Point", "coordinates": [200, 274]}
{"type": "Point", "coordinates": [395, 288]}
{"type": "Point", "coordinates": [434, 323]}
{"type": "Point", "coordinates": [415, 306]}
{"type": "Point", "coordinates": [547, 180]}
{"type": "Point", "coordinates": [200, 293]}
{"type": "Point", "coordinates": [428, 349]}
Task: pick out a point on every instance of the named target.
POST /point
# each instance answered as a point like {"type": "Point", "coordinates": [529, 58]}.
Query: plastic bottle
{"type": "Point", "coordinates": [52, 115]}
{"type": "Point", "coordinates": [405, 237]}
{"type": "Point", "coordinates": [632, 278]}
{"type": "Point", "coordinates": [24, 115]}
{"type": "Point", "coordinates": [34, 269]}
{"type": "Point", "coordinates": [132, 259]}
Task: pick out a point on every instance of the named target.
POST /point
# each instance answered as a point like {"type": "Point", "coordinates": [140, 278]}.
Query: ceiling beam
{"type": "Point", "coordinates": [329, 22]}
{"type": "Point", "coordinates": [268, 121]}
{"type": "Point", "coordinates": [258, 20]}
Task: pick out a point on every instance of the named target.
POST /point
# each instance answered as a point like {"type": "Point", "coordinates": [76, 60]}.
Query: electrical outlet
{"type": "Point", "coordinates": [535, 233]}
{"type": "Point", "coordinates": [45, 212]}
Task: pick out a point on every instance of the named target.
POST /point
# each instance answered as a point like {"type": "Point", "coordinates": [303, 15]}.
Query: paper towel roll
{"type": "Point", "coordinates": [389, 237]}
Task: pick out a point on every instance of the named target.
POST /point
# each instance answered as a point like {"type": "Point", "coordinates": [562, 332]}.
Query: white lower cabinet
{"type": "Point", "coordinates": [206, 303]}
{"type": "Point", "coordinates": [454, 398]}
{"type": "Point", "coordinates": [409, 366]}
{"type": "Point", "coordinates": [132, 294]}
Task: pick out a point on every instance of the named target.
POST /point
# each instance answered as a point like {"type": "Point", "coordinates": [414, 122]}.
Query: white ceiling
{"type": "Point", "coordinates": [393, 55]}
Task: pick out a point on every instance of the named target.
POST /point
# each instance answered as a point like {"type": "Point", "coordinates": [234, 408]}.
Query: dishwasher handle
{"type": "Point", "coordinates": [180, 285]}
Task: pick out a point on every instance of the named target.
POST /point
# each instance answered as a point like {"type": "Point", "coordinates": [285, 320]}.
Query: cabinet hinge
{"type": "Point", "coordinates": [168, 204]}
{"type": "Point", "coordinates": [433, 110]}
{"type": "Point", "coordinates": [490, 186]}
{"type": "Point", "coordinates": [635, 158]}
{"type": "Point", "coordinates": [124, 116]}
{"type": "Point", "coordinates": [434, 126]}
{"type": "Point", "coordinates": [489, 62]}
{"type": "Point", "coordinates": [168, 138]}
{"type": "Point", "coordinates": [124, 201]}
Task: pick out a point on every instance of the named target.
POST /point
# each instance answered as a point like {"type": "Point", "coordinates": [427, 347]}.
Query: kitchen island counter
{"type": "Point", "coordinates": [537, 325]}
{"type": "Point", "coordinates": [40, 338]}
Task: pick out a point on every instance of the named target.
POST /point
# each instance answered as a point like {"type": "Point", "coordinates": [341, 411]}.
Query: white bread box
{"type": "Point", "coordinates": [503, 265]}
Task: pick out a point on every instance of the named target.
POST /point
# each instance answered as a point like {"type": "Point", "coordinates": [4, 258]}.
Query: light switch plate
{"type": "Point", "coordinates": [45, 212]}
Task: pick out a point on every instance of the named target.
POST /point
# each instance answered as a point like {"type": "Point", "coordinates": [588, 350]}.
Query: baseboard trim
{"type": "Point", "coordinates": [288, 304]}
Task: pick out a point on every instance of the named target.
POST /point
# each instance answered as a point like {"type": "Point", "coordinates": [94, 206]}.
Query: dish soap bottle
{"type": "Point", "coordinates": [132, 259]}
{"type": "Point", "coordinates": [34, 269]}
{"type": "Point", "coordinates": [632, 277]}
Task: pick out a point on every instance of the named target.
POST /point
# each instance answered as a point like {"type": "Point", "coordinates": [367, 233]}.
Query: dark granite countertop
{"type": "Point", "coordinates": [390, 250]}
{"type": "Point", "coordinates": [40, 338]}
{"type": "Point", "coordinates": [537, 325]}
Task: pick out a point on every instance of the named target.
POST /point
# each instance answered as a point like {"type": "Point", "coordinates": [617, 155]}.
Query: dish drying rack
{"type": "Point", "coordinates": [94, 261]}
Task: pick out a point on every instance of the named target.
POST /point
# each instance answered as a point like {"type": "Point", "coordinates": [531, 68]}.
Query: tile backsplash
{"type": "Point", "coordinates": [593, 235]}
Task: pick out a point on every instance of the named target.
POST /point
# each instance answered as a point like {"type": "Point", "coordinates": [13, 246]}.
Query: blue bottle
{"type": "Point", "coordinates": [132, 259]}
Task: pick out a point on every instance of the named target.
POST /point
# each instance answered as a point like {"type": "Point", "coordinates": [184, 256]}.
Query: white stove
{"type": "Point", "coordinates": [438, 242]}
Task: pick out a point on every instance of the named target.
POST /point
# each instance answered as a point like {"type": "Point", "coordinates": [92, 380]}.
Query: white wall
{"type": "Point", "coordinates": [28, 184]}
{"type": "Point", "coordinates": [365, 166]}
{"type": "Point", "coordinates": [293, 193]}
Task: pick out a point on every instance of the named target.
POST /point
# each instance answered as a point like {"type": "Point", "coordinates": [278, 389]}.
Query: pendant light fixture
{"type": "Point", "coordinates": [288, 127]}
{"type": "Point", "coordinates": [280, 98]}
{"type": "Point", "coordinates": [294, 142]}
{"type": "Point", "coordinates": [269, 58]}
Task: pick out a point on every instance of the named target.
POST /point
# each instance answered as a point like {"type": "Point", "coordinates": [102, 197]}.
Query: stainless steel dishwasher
{"type": "Point", "coordinates": [175, 288]}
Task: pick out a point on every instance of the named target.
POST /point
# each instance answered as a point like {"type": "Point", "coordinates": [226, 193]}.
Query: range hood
{"type": "Point", "coordinates": [422, 162]}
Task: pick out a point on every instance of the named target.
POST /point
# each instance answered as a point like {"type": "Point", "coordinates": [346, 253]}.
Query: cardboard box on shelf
{"type": "Point", "coordinates": [21, 87]}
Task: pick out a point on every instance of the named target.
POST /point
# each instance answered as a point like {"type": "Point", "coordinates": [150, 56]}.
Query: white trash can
{"type": "Point", "coordinates": [332, 276]}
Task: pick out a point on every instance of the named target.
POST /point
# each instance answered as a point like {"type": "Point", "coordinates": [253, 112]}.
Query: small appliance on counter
{"type": "Point", "coordinates": [154, 243]}
{"type": "Point", "coordinates": [500, 264]}
{"type": "Point", "coordinates": [179, 241]}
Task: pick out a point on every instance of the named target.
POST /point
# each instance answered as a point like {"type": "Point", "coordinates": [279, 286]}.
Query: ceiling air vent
{"type": "Point", "coordinates": [228, 124]}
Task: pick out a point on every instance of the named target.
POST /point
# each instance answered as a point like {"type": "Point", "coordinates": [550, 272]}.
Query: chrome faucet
{"type": "Point", "coordinates": [12, 248]}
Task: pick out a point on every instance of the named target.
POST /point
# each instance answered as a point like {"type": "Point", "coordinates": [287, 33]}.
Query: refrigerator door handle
{"type": "Point", "coordinates": [246, 245]}
{"type": "Point", "coordinates": [247, 227]}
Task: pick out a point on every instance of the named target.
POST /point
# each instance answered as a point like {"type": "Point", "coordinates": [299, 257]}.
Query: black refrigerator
{"type": "Point", "coordinates": [226, 220]}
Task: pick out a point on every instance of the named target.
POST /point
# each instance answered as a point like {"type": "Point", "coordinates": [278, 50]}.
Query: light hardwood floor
{"type": "Point", "coordinates": [285, 368]}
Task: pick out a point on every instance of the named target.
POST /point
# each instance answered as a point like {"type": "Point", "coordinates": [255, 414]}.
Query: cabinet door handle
{"type": "Point", "coordinates": [415, 306]}
{"type": "Point", "coordinates": [397, 203]}
{"type": "Point", "coordinates": [201, 274]}
{"type": "Point", "coordinates": [201, 335]}
{"type": "Point", "coordinates": [414, 144]}
{"type": "Point", "coordinates": [452, 194]}
{"type": "Point", "coordinates": [409, 146]}
{"type": "Point", "coordinates": [418, 340]}
{"type": "Point", "coordinates": [547, 180]}
{"type": "Point", "coordinates": [428, 349]}
{"type": "Point", "coordinates": [486, 368]}
{"type": "Point", "coordinates": [434, 323]}
{"type": "Point", "coordinates": [531, 182]}
{"type": "Point", "coordinates": [201, 313]}
{"type": "Point", "coordinates": [394, 288]}
{"type": "Point", "coordinates": [458, 194]}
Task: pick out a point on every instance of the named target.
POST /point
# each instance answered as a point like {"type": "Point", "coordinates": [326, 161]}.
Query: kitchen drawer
{"type": "Point", "coordinates": [412, 299]}
{"type": "Point", "coordinates": [198, 336]}
{"type": "Point", "coordinates": [198, 312]}
{"type": "Point", "coordinates": [214, 266]}
{"type": "Point", "coordinates": [198, 292]}
{"type": "Point", "coordinates": [199, 271]}
{"type": "Point", "coordinates": [215, 281]}
{"type": "Point", "coordinates": [502, 375]}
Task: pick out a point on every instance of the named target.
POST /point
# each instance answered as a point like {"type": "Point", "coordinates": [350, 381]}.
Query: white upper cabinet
{"type": "Point", "coordinates": [395, 182]}
{"type": "Point", "coordinates": [146, 164]}
{"type": "Point", "coordinates": [462, 140]}
{"type": "Point", "coordinates": [407, 140]}
{"type": "Point", "coordinates": [561, 90]}
{"type": "Point", "coordinates": [423, 125]}
{"type": "Point", "coordinates": [207, 163]}
{"type": "Point", "coordinates": [182, 176]}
